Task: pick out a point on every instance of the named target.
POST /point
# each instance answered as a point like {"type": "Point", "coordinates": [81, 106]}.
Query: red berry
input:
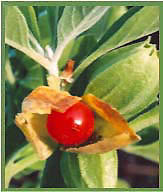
{"type": "Point", "coordinates": [73, 127]}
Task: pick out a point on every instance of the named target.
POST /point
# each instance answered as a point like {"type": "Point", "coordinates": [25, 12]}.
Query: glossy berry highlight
{"type": "Point", "coordinates": [73, 127]}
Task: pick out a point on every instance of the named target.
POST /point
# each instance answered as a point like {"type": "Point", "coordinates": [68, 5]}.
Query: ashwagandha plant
{"type": "Point", "coordinates": [79, 88]}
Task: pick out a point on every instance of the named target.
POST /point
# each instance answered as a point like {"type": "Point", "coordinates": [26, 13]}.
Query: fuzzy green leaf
{"type": "Point", "coordinates": [112, 15]}
{"type": "Point", "coordinates": [18, 35]}
{"type": "Point", "coordinates": [30, 16]}
{"type": "Point", "coordinates": [150, 118]}
{"type": "Point", "coordinates": [66, 54]}
{"type": "Point", "coordinates": [115, 13]}
{"type": "Point", "coordinates": [44, 25]}
{"type": "Point", "coordinates": [89, 171]}
{"type": "Point", "coordinates": [54, 12]}
{"type": "Point", "coordinates": [128, 78]}
{"type": "Point", "coordinates": [71, 171]}
{"type": "Point", "coordinates": [136, 23]}
{"type": "Point", "coordinates": [16, 27]}
{"type": "Point", "coordinates": [82, 47]}
{"type": "Point", "coordinates": [146, 126]}
{"type": "Point", "coordinates": [74, 21]}
{"type": "Point", "coordinates": [99, 171]}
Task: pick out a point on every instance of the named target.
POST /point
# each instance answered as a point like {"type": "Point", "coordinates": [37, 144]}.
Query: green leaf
{"type": "Point", "coordinates": [112, 15]}
{"type": "Point", "coordinates": [128, 78]}
{"type": "Point", "coordinates": [89, 171]}
{"type": "Point", "coordinates": [66, 54]}
{"type": "Point", "coordinates": [38, 166]}
{"type": "Point", "coordinates": [82, 47]}
{"type": "Point", "coordinates": [150, 118]}
{"type": "Point", "coordinates": [115, 13]}
{"type": "Point", "coordinates": [111, 58]}
{"type": "Point", "coordinates": [136, 23]}
{"type": "Point", "coordinates": [77, 49]}
{"type": "Point", "coordinates": [99, 171]}
{"type": "Point", "coordinates": [30, 16]}
{"type": "Point", "coordinates": [99, 66]}
{"type": "Point", "coordinates": [74, 21]}
{"type": "Point", "coordinates": [22, 159]}
{"type": "Point", "coordinates": [54, 12]}
{"type": "Point", "coordinates": [71, 171]}
{"type": "Point", "coordinates": [150, 151]}
{"type": "Point", "coordinates": [16, 27]}
{"type": "Point", "coordinates": [17, 35]}
{"type": "Point", "coordinates": [146, 125]}
{"type": "Point", "coordinates": [45, 28]}
{"type": "Point", "coordinates": [148, 135]}
{"type": "Point", "coordinates": [20, 34]}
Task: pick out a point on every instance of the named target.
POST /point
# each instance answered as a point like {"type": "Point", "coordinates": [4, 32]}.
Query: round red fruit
{"type": "Point", "coordinates": [73, 127]}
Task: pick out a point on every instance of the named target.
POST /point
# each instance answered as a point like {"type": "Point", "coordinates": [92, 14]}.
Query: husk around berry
{"type": "Point", "coordinates": [111, 129]}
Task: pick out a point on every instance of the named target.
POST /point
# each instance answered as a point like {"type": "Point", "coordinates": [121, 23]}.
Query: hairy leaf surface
{"type": "Point", "coordinates": [136, 23]}
{"type": "Point", "coordinates": [99, 171]}
{"type": "Point", "coordinates": [18, 35]}
{"type": "Point", "coordinates": [74, 21]}
{"type": "Point", "coordinates": [128, 78]}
